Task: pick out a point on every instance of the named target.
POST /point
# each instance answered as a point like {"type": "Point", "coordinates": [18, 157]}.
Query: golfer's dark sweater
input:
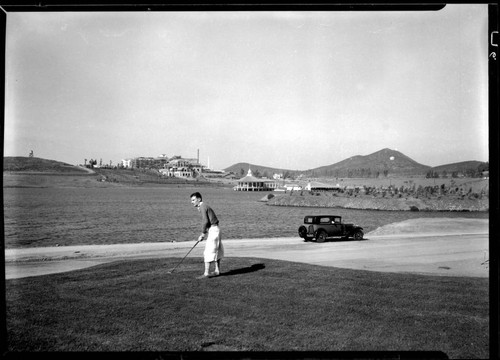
{"type": "Point", "coordinates": [209, 217]}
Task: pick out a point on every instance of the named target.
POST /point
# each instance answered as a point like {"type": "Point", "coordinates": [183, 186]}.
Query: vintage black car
{"type": "Point", "coordinates": [321, 227]}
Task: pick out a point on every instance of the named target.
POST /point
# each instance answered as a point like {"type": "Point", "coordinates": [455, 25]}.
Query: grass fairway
{"type": "Point", "coordinates": [256, 305]}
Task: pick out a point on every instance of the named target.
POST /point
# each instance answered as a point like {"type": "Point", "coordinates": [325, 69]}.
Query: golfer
{"type": "Point", "coordinates": [214, 251]}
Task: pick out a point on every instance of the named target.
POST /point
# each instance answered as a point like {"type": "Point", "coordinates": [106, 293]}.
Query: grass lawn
{"type": "Point", "coordinates": [256, 305]}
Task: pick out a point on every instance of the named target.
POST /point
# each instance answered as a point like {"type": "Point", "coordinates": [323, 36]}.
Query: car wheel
{"type": "Point", "coordinates": [303, 232]}
{"type": "Point", "coordinates": [321, 237]}
{"type": "Point", "coordinates": [358, 235]}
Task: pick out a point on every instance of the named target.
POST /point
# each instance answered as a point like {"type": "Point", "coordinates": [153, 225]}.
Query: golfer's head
{"type": "Point", "coordinates": [196, 199]}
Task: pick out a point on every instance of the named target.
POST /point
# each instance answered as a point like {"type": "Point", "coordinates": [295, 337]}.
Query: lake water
{"type": "Point", "coordinates": [117, 215]}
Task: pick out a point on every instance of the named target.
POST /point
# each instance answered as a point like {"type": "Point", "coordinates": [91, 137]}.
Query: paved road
{"type": "Point", "coordinates": [432, 254]}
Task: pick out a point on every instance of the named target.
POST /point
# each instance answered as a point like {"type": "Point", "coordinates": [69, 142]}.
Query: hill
{"type": "Point", "coordinates": [385, 162]}
{"type": "Point", "coordinates": [241, 169]}
{"type": "Point", "coordinates": [37, 172]}
{"type": "Point", "coordinates": [464, 167]}
{"type": "Point", "coordinates": [34, 164]}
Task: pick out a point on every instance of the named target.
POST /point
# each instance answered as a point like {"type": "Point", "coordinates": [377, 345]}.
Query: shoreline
{"type": "Point", "coordinates": [443, 204]}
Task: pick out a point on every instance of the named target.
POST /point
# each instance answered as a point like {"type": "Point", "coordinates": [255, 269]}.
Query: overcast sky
{"type": "Point", "coordinates": [294, 90]}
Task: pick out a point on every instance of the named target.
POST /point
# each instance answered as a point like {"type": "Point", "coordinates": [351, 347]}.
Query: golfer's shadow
{"type": "Point", "coordinates": [246, 270]}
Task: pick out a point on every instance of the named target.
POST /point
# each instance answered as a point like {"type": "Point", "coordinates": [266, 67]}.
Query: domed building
{"type": "Point", "coordinates": [251, 183]}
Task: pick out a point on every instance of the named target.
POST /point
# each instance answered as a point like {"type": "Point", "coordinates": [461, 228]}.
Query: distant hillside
{"type": "Point", "coordinates": [464, 167]}
{"type": "Point", "coordinates": [34, 164]}
{"type": "Point", "coordinates": [241, 169]}
{"type": "Point", "coordinates": [385, 162]}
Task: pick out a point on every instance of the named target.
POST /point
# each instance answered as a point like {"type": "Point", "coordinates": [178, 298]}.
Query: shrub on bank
{"type": "Point", "coordinates": [379, 202]}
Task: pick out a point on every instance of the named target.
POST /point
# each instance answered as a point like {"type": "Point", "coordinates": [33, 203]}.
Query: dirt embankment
{"type": "Point", "coordinates": [444, 203]}
{"type": "Point", "coordinates": [433, 226]}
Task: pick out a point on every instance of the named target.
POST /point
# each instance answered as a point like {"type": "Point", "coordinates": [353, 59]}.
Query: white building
{"type": "Point", "coordinates": [251, 183]}
{"type": "Point", "coordinates": [317, 186]}
{"type": "Point", "coordinates": [127, 163]}
{"type": "Point", "coordinates": [182, 168]}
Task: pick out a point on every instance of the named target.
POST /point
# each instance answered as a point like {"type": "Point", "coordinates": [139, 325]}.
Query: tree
{"type": "Point", "coordinates": [470, 173]}
{"type": "Point", "coordinates": [483, 167]}
{"type": "Point", "coordinates": [432, 175]}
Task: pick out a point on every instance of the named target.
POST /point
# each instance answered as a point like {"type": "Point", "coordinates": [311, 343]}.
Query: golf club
{"type": "Point", "coordinates": [171, 271]}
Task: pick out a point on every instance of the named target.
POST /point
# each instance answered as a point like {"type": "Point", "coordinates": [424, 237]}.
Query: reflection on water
{"type": "Point", "coordinates": [75, 216]}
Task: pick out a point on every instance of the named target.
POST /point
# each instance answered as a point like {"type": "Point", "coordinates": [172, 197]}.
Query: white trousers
{"type": "Point", "coordinates": [214, 250]}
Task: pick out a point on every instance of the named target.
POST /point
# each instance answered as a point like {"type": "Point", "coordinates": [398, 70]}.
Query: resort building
{"type": "Point", "coordinates": [316, 186]}
{"type": "Point", "coordinates": [176, 166]}
{"type": "Point", "coordinates": [142, 162]}
{"type": "Point", "coordinates": [145, 162]}
{"type": "Point", "coordinates": [182, 168]}
{"type": "Point", "coordinates": [127, 163]}
{"type": "Point", "coordinates": [288, 187]}
{"type": "Point", "coordinates": [292, 187]}
{"type": "Point", "coordinates": [251, 183]}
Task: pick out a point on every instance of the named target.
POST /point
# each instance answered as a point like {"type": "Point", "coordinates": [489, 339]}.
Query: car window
{"type": "Point", "coordinates": [324, 220]}
{"type": "Point", "coordinates": [309, 220]}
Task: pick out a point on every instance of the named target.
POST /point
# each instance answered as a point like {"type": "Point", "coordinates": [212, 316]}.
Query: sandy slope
{"type": "Point", "coordinates": [451, 247]}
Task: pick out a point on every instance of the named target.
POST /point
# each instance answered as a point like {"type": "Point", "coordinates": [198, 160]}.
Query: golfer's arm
{"type": "Point", "coordinates": [205, 225]}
